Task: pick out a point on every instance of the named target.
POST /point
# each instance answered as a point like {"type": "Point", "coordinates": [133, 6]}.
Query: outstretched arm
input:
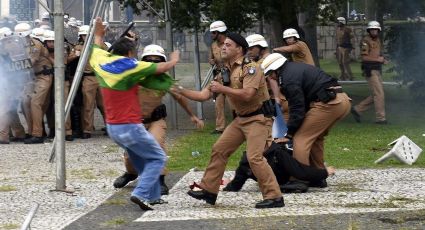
{"type": "Point", "coordinates": [185, 105]}
{"type": "Point", "coordinates": [194, 95]}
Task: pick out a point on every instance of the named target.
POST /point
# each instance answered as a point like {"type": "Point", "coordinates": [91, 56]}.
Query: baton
{"type": "Point", "coordinates": [130, 25]}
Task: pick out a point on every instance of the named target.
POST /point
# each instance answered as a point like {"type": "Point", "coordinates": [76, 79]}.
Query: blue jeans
{"type": "Point", "coordinates": [146, 155]}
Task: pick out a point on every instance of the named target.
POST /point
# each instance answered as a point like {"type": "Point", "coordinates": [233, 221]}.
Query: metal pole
{"type": "Point", "coordinates": [208, 77]}
{"type": "Point", "coordinates": [197, 71]}
{"type": "Point", "coordinates": [44, 6]}
{"type": "Point", "coordinates": [29, 217]}
{"type": "Point", "coordinates": [81, 64]}
{"type": "Point", "coordinates": [348, 10]}
{"type": "Point", "coordinates": [169, 36]}
{"type": "Point", "coordinates": [59, 95]}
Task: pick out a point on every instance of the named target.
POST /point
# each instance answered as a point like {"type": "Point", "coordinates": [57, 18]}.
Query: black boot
{"type": "Point", "coordinates": [242, 174]}
{"type": "Point", "coordinates": [318, 184]}
{"type": "Point", "coordinates": [164, 187]}
{"type": "Point", "coordinates": [77, 132]}
{"type": "Point", "coordinates": [294, 186]}
{"type": "Point", "coordinates": [210, 198]}
{"type": "Point", "coordinates": [271, 203]}
{"type": "Point", "coordinates": [123, 180]}
{"type": "Point", "coordinates": [237, 183]}
{"type": "Point", "coordinates": [34, 140]}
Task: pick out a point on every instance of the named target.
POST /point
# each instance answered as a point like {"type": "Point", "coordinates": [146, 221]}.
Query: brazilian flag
{"type": "Point", "coordinates": [121, 73]}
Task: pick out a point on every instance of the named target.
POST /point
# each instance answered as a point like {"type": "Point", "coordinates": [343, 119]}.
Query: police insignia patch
{"type": "Point", "coordinates": [251, 70]}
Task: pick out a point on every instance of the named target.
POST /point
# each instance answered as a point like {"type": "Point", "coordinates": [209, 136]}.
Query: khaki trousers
{"type": "Point", "coordinates": [50, 114]}
{"type": "Point", "coordinates": [255, 130]}
{"type": "Point", "coordinates": [309, 139]}
{"type": "Point", "coordinates": [343, 58]}
{"type": "Point", "coordinates": [26, 104]}
{"type": "Point", "coordinates": [89, 90]}
{"type": "Point", "coordinates": [9, 119]}
{"type": "Point", "coordinates": [377, 98]}
{"type": "Point", "coordinates": [158, 129]}
{"type": "Point", "coordinates": [39, 102]}
{"type": "Point", "coordinates": [220, 119]}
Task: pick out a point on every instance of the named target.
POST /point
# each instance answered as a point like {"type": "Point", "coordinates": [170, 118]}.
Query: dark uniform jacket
{"type": "Point", "coordinates": [302, 84]}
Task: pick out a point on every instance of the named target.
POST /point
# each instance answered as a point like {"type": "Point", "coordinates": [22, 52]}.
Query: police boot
{"type": "Point", "coordinates": [294, 186]}
{"type": "Point", "coordinates": [164, 187]}
{"type": "Point", "coordinates": [123, 180]}
{"type": "Point", "coordinates": [237, 183]}
{"type": "Point", "coordinates": [318, 184]}
{"type": "Point", "coordinates": [34, 140]}
{"type": "Point", "coordinates": [76, 122]}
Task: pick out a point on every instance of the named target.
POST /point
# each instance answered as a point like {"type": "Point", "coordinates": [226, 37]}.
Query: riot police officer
{"type": "Point", "coordinates": [248, 95]}
{"type": "Point", "coordinates": [11, 87]}
{"type": "Point", "coordinates": [372, 60]}
{"type": "Point", "coordinates": [344, 45]}
{"type": "Point", "coordinates": [90, 87]}
{"type": "Point", "coordinates": [43, 71]}
{"type": "Point", "coordinates": [218, 31]}
{"type": "Point", "coordinates": [298, 49]}
{"type": "Point", "coordinates": [316, 103]}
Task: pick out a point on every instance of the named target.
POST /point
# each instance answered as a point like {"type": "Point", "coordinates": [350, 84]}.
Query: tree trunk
{"type": "Point", "coordinates": [284, 19]}
{"type": "Point", "coordinates": [310, 35]}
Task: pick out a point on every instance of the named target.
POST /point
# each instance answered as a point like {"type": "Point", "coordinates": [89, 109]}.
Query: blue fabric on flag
{"type": "Point", "coordinates": [119, 66]}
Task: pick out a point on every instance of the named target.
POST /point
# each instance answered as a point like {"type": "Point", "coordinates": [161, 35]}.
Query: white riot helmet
{"type": "Point", "coordinates": [45, 15]}
{"type": "Point", "coordinates": [373, 25]}
{"type": "Point", "coordinates": [290, 33]}
{"type": "Point", "coordinates": [218, 26]}
{"type": "Point", "coordinates": [341, 20]}
{"type": "Point", "coordinates": [108, 44]}
{"type": "Point", "coordinates": [84, 30]}
{"type": "Point", "coordinates": [154, 50]}
{"type": "Point", "coordinates": [72, 21]}
{"type": "Point", "coordinates": [37, 33]}
{"type": "Point", "coordinates": [49, 35]}
{"type": "Point", "coordinates": [23, 29]}
{"type": "Point", "coordinates": [5, 32]}
{"type": "Point", "coordinates": [45, 27]}
{"type": "Point", "coordinates": [256, 40]}
{"type": "Point", "coordinates": [272, 62]}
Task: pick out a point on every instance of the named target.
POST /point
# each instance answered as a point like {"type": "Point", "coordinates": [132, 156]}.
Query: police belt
{"type": "Point", "coordinates": [256, 112]}
{"type": "Point", "coordinates": [88, 74]}
{"type": "Point", "coordinates": [158, 113]}
{"type": "Point", "coordinates": [45, 72]}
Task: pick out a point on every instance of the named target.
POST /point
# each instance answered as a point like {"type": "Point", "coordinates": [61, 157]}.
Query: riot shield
{"type": "Point", "coordinates": [17, 63]}
{"type": "Point", "coordinates": [71, 35]}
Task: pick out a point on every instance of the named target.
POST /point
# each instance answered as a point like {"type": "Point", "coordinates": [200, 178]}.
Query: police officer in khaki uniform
{"type": "Point", "coordinates": [154, 114]}
{"type": "Point", "coordinates": [10, 88]}
{"type": "Point", "coordinates": [293, 45]}
{"type": "Point", "coordinates": [249, 97]}
{"type": "Point", "coordinates": [49, 41]}
{"type": "Point", "coordinates": [258, 51]}
{"type": "Point", "coordinates": [218, 33]}
{"type": "Point", "coordinates": [36, 93]}
{"type": "Point", "coordinates": [372, 60]}
{"type": "Point", "coordinates": [89, 86]}
{"type": "Point", "coordinates": [316, 103]}
{"type": "Point", "coordinates": [344, 45]}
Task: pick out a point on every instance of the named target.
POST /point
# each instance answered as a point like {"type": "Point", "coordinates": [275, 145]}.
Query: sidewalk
{"type": "Point", "coordinates": [355, 199]}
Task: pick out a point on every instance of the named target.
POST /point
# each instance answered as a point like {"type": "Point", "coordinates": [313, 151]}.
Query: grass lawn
{"type": "Point", "coordinates": [348, 145]}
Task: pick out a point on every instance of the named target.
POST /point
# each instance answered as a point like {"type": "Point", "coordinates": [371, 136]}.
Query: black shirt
{"type": "Point", "coordinates": [300, 84]}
